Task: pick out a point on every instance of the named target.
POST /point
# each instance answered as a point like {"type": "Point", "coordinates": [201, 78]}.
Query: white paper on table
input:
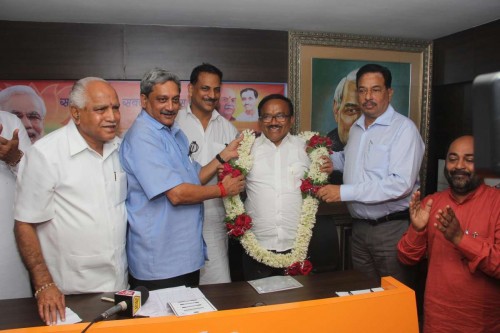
{"type": "Point", "coordinates": [359, 292]}
{"type": "Point", "coordinates": [157, 304]}
{"type": "Point", "coordinates": [274, 283]}
{"type": "Point", "coordinates": [71, 318]}
{"type": "Point", "coordinates": [195, 306]}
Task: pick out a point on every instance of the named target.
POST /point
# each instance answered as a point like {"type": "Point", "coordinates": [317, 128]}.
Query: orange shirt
{"type": "Point", "coordinates": [463, 282]}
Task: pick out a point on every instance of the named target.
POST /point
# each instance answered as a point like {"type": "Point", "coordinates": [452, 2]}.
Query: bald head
{"type": "Point", "coordinates": [463, 143]}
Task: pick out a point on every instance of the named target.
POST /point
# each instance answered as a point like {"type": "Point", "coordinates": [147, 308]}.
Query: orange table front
{"type": "Point", "coordinates": [391, 310]}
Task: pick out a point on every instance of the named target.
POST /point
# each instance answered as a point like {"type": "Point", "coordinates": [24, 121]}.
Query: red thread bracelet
{"type": "Point", "coordinates": [222, 190]}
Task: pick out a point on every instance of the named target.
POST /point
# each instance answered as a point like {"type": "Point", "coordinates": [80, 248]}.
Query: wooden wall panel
{"type": "Point", "coordinates": [458, 59]}
{"type": "Point", "coordinates": [60, 50]}
{"type": "Point", "coordinates": [243, 55]}
{"type": "Point", "coordinates": [72, 51]}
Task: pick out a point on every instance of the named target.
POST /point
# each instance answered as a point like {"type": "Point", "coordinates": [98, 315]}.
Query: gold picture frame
{"type": "Point", "coordinates": [306, 46]}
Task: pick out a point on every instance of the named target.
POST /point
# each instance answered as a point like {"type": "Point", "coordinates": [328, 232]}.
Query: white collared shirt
{"type": "Point", "coordinates": [210, 141]}
{"type": "Point", "coordinates": [14, 279]}
{"type": "Point", "coordinates": [82, 196]}
{"type": "Point", "coordinates": [273, 187]}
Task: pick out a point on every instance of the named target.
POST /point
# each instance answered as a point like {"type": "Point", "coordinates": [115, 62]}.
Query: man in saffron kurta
{"type": "Point", "coordinates": [459, 230]}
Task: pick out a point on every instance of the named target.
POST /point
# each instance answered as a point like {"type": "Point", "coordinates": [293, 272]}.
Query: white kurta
{"type": "Point", "coordinates": [211, 141]}
{"type": "Point", "coordinates": [14, 278]}
{"type": "Point", "coordinates": [82, 196]}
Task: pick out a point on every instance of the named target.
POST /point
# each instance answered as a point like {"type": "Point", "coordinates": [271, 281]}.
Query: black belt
{"type": "Point", "coordinates": [402, 215]}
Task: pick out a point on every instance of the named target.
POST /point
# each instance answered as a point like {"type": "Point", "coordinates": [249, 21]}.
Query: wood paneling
{"type": "Point", "coordinates": [243, 55]}
{"type": "Point", "coordinates": [458, 59]}
{"type": "Point", "coordinates": [60, 51]}
{"type": "Point", "coordinates": [72, 51]}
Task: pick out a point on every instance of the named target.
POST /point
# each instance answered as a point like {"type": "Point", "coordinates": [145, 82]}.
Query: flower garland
{"type": "Point", "coordinates": [238, 223]}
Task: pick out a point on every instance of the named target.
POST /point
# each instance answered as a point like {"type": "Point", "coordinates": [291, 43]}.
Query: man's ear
{"type": "Point", "coordinates": [75, 114]}
{"type": "Point", "coordinates": [391, 92]}
{"type": "Point", "coordinates": [144, 100]}
{"type": "Point", "coordinates": [190, 90]}
{"type": "Point", "coordinates": [336, 108]}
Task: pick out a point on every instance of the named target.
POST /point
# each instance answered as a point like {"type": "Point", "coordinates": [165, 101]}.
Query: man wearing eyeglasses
{"type": "Point", "coordinates": [25, 103]}
{"type": "Point", "coordinates": [209, 133]}
{"type": "Point", "coordinates": [273, 184]}
{"type": "Point", "coordinates": [381, 163]}
{"type": "Point", "coordinates": [165, 246]}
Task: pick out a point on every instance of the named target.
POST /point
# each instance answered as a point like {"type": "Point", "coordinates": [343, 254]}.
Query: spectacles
{"type": "Point", "coordinates": [373, 91]}
{"type": "Point", "coordinates": [267, 118]}
{"type": "Point", "coordinates": [193, 148]}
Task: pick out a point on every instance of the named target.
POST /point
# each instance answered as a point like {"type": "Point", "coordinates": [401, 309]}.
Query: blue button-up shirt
{"type": "Point", "coordinates": [163, 240]}
{"type": "Point", "coordinates": [381, 164]}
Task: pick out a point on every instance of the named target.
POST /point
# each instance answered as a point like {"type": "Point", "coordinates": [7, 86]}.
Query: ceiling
{"type": "Point", "coordinates": [423, 19]}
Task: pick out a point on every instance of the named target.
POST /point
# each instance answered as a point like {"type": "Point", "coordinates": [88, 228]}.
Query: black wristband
{"type": "Point", "coordinates": [219, 158]}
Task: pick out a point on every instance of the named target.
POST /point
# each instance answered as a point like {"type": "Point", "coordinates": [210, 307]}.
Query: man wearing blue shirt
{"type": "Point", "coordinates": [165, 247]}
{"type": "Point", "coordinates": [380, 162]}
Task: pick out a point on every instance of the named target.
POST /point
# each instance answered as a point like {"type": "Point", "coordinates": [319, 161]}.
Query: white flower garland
{"type": "Point", "coordinates": [235, 207]}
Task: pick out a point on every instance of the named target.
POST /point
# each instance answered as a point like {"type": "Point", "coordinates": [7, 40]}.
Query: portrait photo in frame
{"type": "Point", "coordinates": [314, 57]}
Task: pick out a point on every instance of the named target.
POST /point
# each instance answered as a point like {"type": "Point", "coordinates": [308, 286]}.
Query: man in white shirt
{"type": "Point", "coordinates": [14, 141]}
{"type": "Point", "coordinates": [70, 206]}
{"type": "Point", "coordinates": [274, 199]}
{"type": "Point", "coordinates": [209, 133]}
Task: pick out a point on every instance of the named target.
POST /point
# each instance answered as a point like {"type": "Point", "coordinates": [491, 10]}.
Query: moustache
{"type": "Point", "coordinates": [168, 113]}
{"type": "Point", "coordinates": [211, 100]}
{"type": "Point", "coordinates": [369, 104]}
{"type": "Point", "coordinates": [460, 173]}
{"type": "Point", "coordinates": [274, 126]}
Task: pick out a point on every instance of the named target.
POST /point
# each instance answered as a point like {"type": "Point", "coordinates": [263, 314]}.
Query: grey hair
{"type": "Point", "coordinates": [157, 76]}
{"type": "Point", "coordinates": [78, 94]}
{"type": "Point", "coordinates": [8, 92]}
{"type": "Point", "coordinates": [339, 91]}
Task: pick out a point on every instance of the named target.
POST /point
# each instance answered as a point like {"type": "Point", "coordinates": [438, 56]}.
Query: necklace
{"type": "Point", "coordinates": [238, 223]}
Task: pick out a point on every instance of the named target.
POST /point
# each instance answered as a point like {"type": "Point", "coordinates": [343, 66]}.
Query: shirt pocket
{"type": "Point", "coordinates": [295, 175]}
{"type": "Point", "coordinates": [377, 160]}
{"type": "Point", "coordinates": [120, 187]}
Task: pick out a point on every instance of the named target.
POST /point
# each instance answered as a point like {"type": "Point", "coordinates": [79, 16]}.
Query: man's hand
{"type": "Point", "coordinates": [234, 185]}
{"type": "Point", "coordinates": [50, 301]}
{"type": "Point", "coordinates": [231, 151]}
{"type": "Point", "coordinates": [329, 193]}
{"type": "Point", "coordinates": [448, 224]}
{"type": "Point", "coordinates": [9, 151]}
{"type": "Point", "coordinates": [419, 216]}
{"type": "Point", "coordinates": [327, 165]}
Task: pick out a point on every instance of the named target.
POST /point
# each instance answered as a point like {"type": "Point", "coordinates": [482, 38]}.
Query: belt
{"type": "Point", "coordinates": [402, 215]}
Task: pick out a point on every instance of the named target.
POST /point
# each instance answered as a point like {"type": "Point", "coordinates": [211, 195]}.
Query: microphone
{"type": "Point", "coordinates": [126, 301]}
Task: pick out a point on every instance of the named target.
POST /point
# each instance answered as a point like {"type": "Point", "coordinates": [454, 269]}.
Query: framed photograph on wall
{"type": "Point", "coordinates": [47, 102]}
{"type": "Point", "coordinates": [322, 67]}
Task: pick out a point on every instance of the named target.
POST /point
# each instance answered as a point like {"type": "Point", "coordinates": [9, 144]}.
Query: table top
{"type": "Point", "coordinates": [19, 313]}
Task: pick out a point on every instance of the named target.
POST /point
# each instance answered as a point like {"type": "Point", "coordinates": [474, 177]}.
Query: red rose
{"type": "Point", "coordinates": [315, 139]}
{"type": "Point", "coordinates": [299, 268]}
{"type": "Point", "coordinates": [306, 267]}
{"type": "Point", "coordinates": [306, 186]}
{"type": "Point", "coordinates": [243, 221]}
{"type": "Point", "coordinates": [235, 173]}
{"type": "Point", "coordinates": [226, 170]}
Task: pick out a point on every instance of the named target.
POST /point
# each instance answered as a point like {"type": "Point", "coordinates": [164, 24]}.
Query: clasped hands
{"type": "Point", "coordinates": [447, 222]}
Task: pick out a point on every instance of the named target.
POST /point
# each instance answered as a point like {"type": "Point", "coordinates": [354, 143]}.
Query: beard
{"type": "Point", "coordinates": [462, 181]}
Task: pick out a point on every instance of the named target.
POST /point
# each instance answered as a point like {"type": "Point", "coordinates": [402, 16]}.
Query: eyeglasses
{"type": "Point", "coordinates": [267, 118]}
{"type": "Point", "coordinates": [373, 91]}
{"type": "Point", "coordinates": [193, 148]}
